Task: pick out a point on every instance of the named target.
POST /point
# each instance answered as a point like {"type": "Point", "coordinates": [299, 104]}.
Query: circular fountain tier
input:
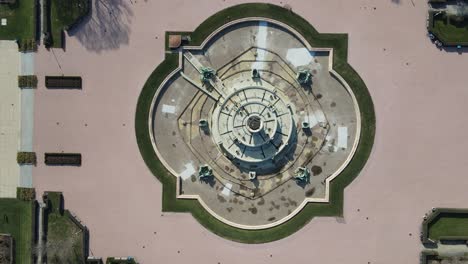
{"type": "Point", "coordinates": [253, 127]}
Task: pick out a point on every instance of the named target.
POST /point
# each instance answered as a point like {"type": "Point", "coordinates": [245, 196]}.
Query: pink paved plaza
{"type": "Point", "coordinates": [418, 160]}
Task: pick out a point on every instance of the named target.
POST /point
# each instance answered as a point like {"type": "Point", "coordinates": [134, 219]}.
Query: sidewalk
{"type": "Point", "coordinates": [10, 117]}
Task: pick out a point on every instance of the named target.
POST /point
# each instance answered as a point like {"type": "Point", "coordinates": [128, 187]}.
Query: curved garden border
{"type": "Point", "coordinates": [338, 42]}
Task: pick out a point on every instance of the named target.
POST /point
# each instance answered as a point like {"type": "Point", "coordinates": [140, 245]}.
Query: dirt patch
{"type": "Point", "coordinates": [261, 202]}
{"type": "Point", "coordinates": [253, 210]}
{"type": "Point", "coordinates": [221, 199]}
{"type": "Point", "coordinates": [310, 192]}
{"type": "Point", "coordinates": [316, 170]}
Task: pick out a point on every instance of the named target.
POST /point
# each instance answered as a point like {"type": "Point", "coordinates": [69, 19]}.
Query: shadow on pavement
{"type": "Point", "coordinates": [107, 28]}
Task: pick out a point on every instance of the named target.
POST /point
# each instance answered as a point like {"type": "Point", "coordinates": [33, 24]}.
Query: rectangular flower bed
{"type": "Point", "coordinates": [63, 82]}
{"type": "Point", "coordinates": [63, 159]}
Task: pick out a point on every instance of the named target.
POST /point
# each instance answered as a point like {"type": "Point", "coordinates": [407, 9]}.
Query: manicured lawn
{"type": "Point", "coordinates": [450, 32]}
{"type": "Point", "coordinates": [339, 42]}
{"type": "Point", "coordinates": [64, 237]}
{"type": "Point", "coordinates": [449, 225]}
{"type": "Point", "coordinates": [63, 15]}
{"type": "Point", "coordinates": [16, 218]}
{"type": "Point", "coordinates": [20, 20]}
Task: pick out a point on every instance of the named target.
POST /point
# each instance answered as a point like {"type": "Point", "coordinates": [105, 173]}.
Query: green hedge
{"type": "Point", "coordinates": [27, 81]}
{"type": "Point", "coordinates": [339, 42]}
{"type": "Point", "coordinates": [26, 157]}
{"type": "Point", "coordinates": [27, 45]}
{"type": "Point", "coordinates": [25, 194]}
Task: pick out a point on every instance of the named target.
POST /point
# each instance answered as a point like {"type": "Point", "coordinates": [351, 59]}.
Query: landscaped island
{"type": "Point", "coordinates": [448, 22]}
{"type": "Point", "coordinates": [445, 234]}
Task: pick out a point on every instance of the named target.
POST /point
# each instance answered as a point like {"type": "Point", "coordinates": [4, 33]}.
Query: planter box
{"type": "Point", "coordinates": [27, 81]}
{"type": "Point", "coordinates": [26, 158]}
{"type": "Point", "coordinates": [25, 194]}
{"type": "Point", "coordinates": [62, 159]}
{"type": "Point", "coordinates": [63, 82]}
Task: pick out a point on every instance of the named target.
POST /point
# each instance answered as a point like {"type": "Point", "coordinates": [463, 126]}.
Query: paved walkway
{"type": "Point", "coordinates": [451, 250]}
{"type": "Point", "coordinates": [40, 240]}
{"type": "Point", "coordinates": [27, 118]}
{"type": "Point", "coordinates": [10, 117]}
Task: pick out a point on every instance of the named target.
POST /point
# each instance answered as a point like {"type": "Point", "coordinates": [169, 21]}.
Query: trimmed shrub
{"type": "Point", "coordinates": [27, 81]}
{"type": "Point", "coordinates": [66, 82]}
{"type": "Point", "coordinates": [27, 45]}
{"type": "Point", "coordinates": [26, 194]}
{"type": "Point", "coordinates": [26, 157]}
{"type": "Point", "coordinates": [72, 159]}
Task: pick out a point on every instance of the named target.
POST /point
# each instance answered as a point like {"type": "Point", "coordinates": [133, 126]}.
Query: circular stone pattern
{"type": "Point", "coordinates": [253, 127]}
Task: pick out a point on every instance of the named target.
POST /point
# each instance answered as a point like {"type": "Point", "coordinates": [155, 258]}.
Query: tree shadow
{"type": "Point", "coordinates": [108, 26]}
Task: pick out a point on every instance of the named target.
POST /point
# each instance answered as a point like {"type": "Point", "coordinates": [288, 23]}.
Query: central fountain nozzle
{"type": "Point", "coordinates": [254, 123]}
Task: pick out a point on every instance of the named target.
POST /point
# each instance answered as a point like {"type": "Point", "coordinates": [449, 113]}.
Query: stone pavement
{"type": "Point", "coordinates": [10, 117]}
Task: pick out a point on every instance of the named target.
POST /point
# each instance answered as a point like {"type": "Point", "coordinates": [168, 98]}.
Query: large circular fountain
{"type": "Point", "coordinates": [254, 123]}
